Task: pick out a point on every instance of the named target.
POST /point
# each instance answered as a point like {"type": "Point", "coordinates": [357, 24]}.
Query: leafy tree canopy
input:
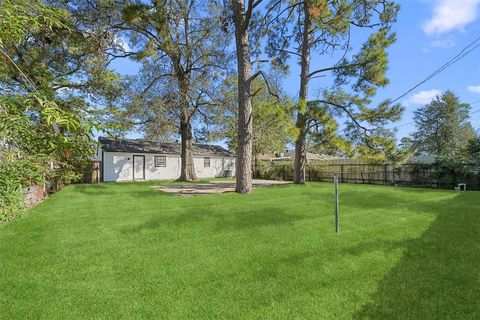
{"type": "Point", "coordinates": [272, 125]}
{"type": "Point", "coordinates": [443, 128]}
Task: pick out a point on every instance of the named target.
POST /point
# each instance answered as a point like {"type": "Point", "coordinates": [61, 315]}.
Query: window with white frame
{"type": "Point", "coordinates": [206, 162]}
{"type": "Point", "coordinates": [160, 161]}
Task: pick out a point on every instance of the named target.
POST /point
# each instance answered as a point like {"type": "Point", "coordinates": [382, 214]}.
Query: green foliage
{"type": "Point", "coordinates": [451, 171]}
{"type": "Point", "coordinates": [274, 170]}
{"type": "Point", "coordinates": [182, 58]}
{"type": "Point", "coordinates": [39, 126]}
{"type": "Point", "coordinates": [356, 75]}
{"type": "Point", "coordinates": [442, 126]}
{"type": "Point", "coordinates": [472, 150]}
{"type": "Point", "coordinates": [56, 53]}
{"type": "Point", "coordinates": [45, 133]}
{"type": "Point", "coordinates": [37, 136]}
{"type": "Point", "coordinates": [272, 126]}
{"type": "Point", "coordinates": [19, 18]}
{"type": "Point", "coordinates": [17, 174]}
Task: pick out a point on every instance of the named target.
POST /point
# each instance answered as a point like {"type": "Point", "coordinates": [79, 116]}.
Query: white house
{"type": "Point", "coordinates": [138, 159]}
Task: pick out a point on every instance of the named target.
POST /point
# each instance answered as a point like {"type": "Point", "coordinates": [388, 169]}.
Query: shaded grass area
{"type": "Point", "coordinates": [127, 251]}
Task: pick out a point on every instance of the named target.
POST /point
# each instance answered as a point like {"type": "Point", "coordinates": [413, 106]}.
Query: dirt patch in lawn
{"type": "Point", "coordinates": [212, 187]}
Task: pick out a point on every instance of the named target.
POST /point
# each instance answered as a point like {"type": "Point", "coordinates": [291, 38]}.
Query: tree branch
{"type": "Point", "coordinates": [261, 73]}
{"type": "Point", "coordinates": [344, 66]}
{"type": "Point", "coordinates": [348, 112]}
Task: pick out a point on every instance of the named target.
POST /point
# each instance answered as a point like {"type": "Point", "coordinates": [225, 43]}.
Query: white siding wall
{"type": "Point", "coordinates": [118, 166]}
{"type": "Point", "coordinates": [170, 171]}
{"type": "Point", "coordinates": [229, 165]}
{"type": "Point", "coordinates": [217, 166]}
{"type": "Point", "coordinates": [215, 169]}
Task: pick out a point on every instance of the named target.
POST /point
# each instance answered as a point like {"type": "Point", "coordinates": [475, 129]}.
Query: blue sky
{"type": "Point", "coordinates": [429, 33]}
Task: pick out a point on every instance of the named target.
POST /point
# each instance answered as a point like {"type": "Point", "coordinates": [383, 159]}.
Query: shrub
{"type": "Point", "coordinates": [274, 170]}
{"type": "Point", "coordinates": [17, 174]}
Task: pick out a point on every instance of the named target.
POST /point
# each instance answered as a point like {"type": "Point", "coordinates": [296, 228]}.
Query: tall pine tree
{"type": "Point", "coordinates": [325, 28]}
{"type": "Point", "coordinates": [443, 128]}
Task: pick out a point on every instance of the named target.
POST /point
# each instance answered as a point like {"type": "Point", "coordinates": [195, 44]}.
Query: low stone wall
{"type": "Point", "coordinates": [34, 195]}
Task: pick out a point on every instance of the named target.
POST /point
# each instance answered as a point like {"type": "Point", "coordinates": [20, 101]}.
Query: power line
{"type": "Point", "coordinates": [462, 54]}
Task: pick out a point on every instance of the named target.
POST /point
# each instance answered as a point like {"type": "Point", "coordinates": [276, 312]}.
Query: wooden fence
{"type": "Point", "coordinates": [92, 173]}
{"type": "Point", "coordinates": [360, 171]}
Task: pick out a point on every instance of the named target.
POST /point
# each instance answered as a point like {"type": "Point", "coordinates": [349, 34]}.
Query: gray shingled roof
{"type": "Point", "coordinates": [147, 146]}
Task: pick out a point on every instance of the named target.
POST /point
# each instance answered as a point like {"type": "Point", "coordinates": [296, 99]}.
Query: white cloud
{"type": "Point", "coordinates": [422, 97]}
{"type": "Point", "coordinates": [122, 43]}
{"type": "Point", "coordinates": [474, 89]}
{"type": "Point", "coordinates": [439, 43]}
{"type": "Point", "coordinates": [443, 43]}
{"type": "Point", "coordinates": [451, 15]}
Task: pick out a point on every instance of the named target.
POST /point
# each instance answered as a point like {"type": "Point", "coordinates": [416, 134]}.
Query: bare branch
{"type": "Point", "coordinates": [344, 66]}
{"type": "Point", "coordinates": [365, 25]}
{"type": "Point", "coordinates": [348, 112]}
{"type": "Point", "coordinates": [290, 7]}
{"type": "Point", "coordinates": [154, 80]}
{"type": "Point", "coordinates": [261, 73]}
{"type": "Point", "coordinates": [259, 61]}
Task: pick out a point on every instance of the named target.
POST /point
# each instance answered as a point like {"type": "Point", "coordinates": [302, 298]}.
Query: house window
{"type": "Point", "coordinates": [160, 161]}
{"type": "Point", "coordinates": [206, 162]}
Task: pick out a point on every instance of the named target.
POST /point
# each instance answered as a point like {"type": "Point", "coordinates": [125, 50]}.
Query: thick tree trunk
{"type": "Point", "coordinates": [187, 169]}
{"type": "Point", "coordinates": [245, 121]}
{"type": "Point", "coordinates": [300, 143]}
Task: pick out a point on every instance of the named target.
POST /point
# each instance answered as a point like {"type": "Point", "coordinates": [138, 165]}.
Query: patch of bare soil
{"type": "Point", "coordinates": [212, 187]}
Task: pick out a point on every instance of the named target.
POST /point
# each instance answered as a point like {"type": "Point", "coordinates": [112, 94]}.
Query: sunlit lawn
{"type": "Point", "coordinates": [126, 251]}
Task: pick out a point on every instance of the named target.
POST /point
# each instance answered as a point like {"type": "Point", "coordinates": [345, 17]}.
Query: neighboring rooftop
{"type": "Point", "coordinates": [149, 146]}
{"type": "Point", "coordinates": [290, 155]}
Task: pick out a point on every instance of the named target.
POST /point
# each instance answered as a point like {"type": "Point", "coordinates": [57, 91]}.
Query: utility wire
{"type": "Point", "coordinates": [462, 54]}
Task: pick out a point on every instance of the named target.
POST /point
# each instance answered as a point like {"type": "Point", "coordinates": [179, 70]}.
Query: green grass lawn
{"type": "Point", "coordinates": [124, 251]}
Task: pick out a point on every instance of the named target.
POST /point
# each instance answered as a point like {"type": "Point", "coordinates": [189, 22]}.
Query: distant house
{"type": "Point", "coordinates": [290, 155]}
{"type": "Point", "coordinates": [138, 159]}
{"type": "Point", "coordinates": [424, 158]}
{"type": "Point", "coordinates": [415, 155]}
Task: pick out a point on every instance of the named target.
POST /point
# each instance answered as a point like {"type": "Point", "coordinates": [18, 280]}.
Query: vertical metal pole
{"type": "Point", "coordinates": [337, 222]}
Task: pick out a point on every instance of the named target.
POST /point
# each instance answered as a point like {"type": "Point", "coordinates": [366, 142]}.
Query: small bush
{"type": "Point", "coordinates": [17, 174]}
{"type": "Point", "coordinates": [275, 170]}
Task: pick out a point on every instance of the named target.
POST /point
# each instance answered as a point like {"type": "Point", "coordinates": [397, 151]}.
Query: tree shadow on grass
{"type": "Point", "coordinates": [92, 189]}
{"type": "Point", "coordinates": [148, 193]}
{"type": "Point", "coordinates": [386, 197]}
{"type": "Point", "coordinates": [438, 277]}
{"type": "Point", "coordinates": [220, 220]}
{"type": "Point", "coordinates": [143, 190]}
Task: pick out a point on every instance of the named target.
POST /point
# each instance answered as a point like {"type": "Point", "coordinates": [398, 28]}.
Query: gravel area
{"type": "Point", "coordinates": [213, 187]}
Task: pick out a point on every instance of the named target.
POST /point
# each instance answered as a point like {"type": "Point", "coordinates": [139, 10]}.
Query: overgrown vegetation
{"type": "Point", "coordinates": [40, 141]}
{"type": "Point", "coordinates": [16, 175]}
{"type": "Point", "coordinates": [44, 134]}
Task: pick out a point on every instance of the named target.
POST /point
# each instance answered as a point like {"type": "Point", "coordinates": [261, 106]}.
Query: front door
{"type": "Point", "coordinates": [138, 167]}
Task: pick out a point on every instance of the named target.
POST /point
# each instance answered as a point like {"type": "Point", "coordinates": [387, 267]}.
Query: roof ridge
{"type": "Point", "coordinates": [142, 145]}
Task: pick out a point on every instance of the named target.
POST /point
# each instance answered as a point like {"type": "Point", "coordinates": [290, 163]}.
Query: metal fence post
{"type": "Point", "coordinates": [337, 222]}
